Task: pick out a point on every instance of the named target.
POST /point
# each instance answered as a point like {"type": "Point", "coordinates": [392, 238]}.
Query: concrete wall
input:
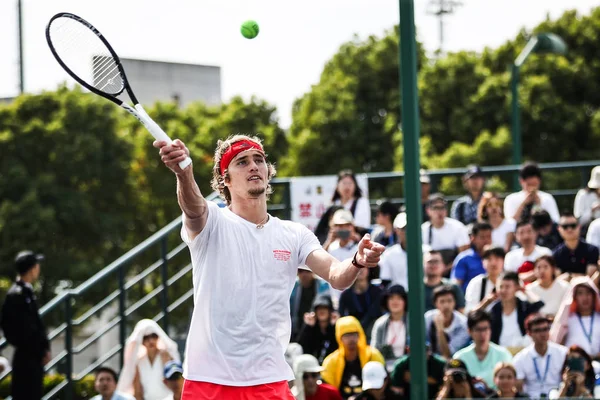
{"type": "Point", "coordinates": [162, 81]}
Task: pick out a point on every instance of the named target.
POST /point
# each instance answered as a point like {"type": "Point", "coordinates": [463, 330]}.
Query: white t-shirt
{"type": "Point", "coordinates": [396, 337]}
{"type": "Point", "coordinates": [552, 296]}
{"type": "Point", "coordinates": [362, 212]}
{"type": "Point", "coordinates": [473, 291]}
{"type": "Point", "coordinates": [515, 258]}
{"type": "Point", "coordinates": [507, 226]}
{"type": "Point", "coordinates": [243, 278]}
{"type": "Point", "coordinates": [511, 333]}
{"type": "Point", "coordinates": [588, 336]}
{"type": "Point", "coordinates": [547, 202]}
{"type": "Point", "coordinates": [582, 206]}
{"type": "Point", "coordinates": [393, 266]}
{"type": "Point", "coordinates": [451, 235]}
{"type": "Point", "coordinates": [341, 253]}
{"type": "Point", "coordinates": [540, 382]}
{"type": "Point", "coordinates": [593, 233]}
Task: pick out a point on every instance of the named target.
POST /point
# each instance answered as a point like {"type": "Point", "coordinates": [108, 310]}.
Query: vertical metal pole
{"type": "Point", "coordinates": [516, 125]}
{"type": "Point", "coordinates": [122, 319]}
{"type": "Point", "coordinates": [412, 190]}
{"type": "Point", "coordinates": [69, 347]}
{"type": "Point", "coordinates": [165, 281]}
{"type": "Point", "coordinates": [21, 62]}
{"type": "Point", "coordinates": [287, 200]}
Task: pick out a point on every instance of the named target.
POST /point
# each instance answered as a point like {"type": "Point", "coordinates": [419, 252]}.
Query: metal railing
{"type": "Point", "coordinates": [65, 299]}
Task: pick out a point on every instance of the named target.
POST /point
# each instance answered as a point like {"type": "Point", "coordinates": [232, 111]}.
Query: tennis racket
{"type": "Point", "coordinates": [74, 42]}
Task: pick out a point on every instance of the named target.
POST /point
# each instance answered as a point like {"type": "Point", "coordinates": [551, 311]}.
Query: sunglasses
{"type": "Point", "coordinates": [568, 226]}
{"type": "Point", "coordinates": [541, 330]}
{"type": "Point", "coordinates": [313, 375]}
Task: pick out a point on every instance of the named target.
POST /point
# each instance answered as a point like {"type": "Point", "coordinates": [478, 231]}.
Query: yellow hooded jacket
{"type": "Point", "coordinates": [334, 364]}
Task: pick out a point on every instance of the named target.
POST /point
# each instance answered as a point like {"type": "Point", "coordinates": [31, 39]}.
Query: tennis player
{"type": "Point", "coordinates": [244, 267]}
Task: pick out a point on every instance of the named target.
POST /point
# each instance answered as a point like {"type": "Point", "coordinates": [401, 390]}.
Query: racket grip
{"type": "Point", "coordinates": [157, 131]}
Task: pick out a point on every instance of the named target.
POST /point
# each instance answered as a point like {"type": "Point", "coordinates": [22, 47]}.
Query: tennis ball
{"type": "Point", "coordinates": [249, 29]}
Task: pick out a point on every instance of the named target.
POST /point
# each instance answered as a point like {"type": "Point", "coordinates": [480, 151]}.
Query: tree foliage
{"type": "Point", "coordinates": [81, 182]}
{"type": "Point", "coordinates": [464, 101]}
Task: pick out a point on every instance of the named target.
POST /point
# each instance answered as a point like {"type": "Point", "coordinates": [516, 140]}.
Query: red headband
{"type": "Point", "coordinates": [234, 150]}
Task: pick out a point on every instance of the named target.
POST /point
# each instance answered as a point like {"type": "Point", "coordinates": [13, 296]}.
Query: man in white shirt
{"type": "Point", "coordinates": [444, 234]}
{"type": "Point", "coordinates": [341, 243]}
{"type": "Point", "coordinates": [519, 206]}
{"type": "Point", "coordinates": [481, 290]}
{"type": "Point", "coordinates": [393, 267]}
{"type": "Point", "coordinates": [244, 267]}
{"type": "Point", "coordinates": [528, 251]}
{"type": "Point", "coordinates": [445, 327]}
{"type": "Point", "coordinates": [539, 365]}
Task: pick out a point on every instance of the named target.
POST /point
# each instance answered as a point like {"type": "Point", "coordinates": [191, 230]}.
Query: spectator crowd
{"type": "Point", "coordinates": [511, 297]}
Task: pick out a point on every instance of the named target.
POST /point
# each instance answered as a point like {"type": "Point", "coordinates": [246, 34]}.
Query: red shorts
{"type": "Point", "coordinates": [194, 390]}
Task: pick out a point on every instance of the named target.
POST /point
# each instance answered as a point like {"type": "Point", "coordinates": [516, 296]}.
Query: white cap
{"type": "Point", "coordinates": [400, 221]}
{"type": "Point", "coordinates": [373, 375]}
{"type": "Point", "coordinates": [306, 363]}
{"type": "Point", "coordinates": [342, 217]}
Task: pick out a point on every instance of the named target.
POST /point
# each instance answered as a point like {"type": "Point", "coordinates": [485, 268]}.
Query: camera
{"type": "Point", "coordinates": [343, 234]}
{"type": "Point", "coordinates": [459, 376]}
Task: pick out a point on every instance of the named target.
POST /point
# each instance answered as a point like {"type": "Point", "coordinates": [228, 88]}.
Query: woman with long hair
{"type": "Point", "coordinates": [350, 196]}
{"type": "Point", "coordinates": [578, 318]}
{"type": "Point", "coordinates": [491, 211]}
{"type": "Point", "coordinates": [578, 376]}
{"type": "Point", "coordinates": [546, 286]}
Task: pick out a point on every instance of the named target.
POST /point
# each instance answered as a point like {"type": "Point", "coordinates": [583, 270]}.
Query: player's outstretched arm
{"type": "Point", "coordinates": [341, 274]}
{"type": "Point", "coordinates": [191, 201]}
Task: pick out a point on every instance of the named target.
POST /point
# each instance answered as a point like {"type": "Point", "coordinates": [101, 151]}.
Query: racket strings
{"type": "Point", "coordinates": [77, 45]}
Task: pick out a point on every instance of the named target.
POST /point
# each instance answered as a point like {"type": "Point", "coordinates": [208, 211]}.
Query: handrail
{"type": "Point", "coordinates": [98, 362]}
{"type": "Point", "coordinates": [174, 305]}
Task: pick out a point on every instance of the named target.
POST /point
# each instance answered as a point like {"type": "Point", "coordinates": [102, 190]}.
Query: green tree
{"type": "Point", "coordinates": [63, 184]}
{"type": "Point", "coordinates": [348, 119]}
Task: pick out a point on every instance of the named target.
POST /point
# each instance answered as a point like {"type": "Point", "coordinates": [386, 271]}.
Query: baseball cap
{"type": "Point", "coordinates": [473, 171]}
{"type": "Point", "coordinates": [400, 221]}
{"type": "Point", "coordinates": [455, 365]}
{"type": "Point", "coordinates": [342, 217]}
{"type": "Point", "coordinates": [307, 363]}
{"type": "Point", "coordinates": [26, 260]}
{"type": "Point", "coordinates": [424, 177]}
{"type": "Point", "coordinates": [373, 375]}
{"type": "Point", "coordinates": [435, 198]}
{"type": "Point", "coordinates": [171, 368]}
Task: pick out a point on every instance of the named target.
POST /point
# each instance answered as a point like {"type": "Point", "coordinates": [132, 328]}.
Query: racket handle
{"type": "Point", "coordinates": [156, 130]}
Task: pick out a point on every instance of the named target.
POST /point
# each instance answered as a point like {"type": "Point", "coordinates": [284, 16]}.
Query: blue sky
{"type": "Point", "coordinates": [296, 38]}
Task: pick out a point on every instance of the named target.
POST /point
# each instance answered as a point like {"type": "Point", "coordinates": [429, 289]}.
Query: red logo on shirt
{"type": "Point", "coordinates": [282, 255]}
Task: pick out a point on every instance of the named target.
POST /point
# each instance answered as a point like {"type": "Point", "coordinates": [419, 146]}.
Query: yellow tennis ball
{"type": "Point", "coordinates": [250, 29]}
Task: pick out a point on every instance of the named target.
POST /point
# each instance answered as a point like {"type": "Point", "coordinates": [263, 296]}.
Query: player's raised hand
{"type": "Point", "coordinates": [369, 252]}
{"type": "Point", "coordinates": [171, 154]}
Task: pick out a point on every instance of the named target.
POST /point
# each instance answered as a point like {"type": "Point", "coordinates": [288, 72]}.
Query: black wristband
{"type": "Point", "coordinates": [355, 263]}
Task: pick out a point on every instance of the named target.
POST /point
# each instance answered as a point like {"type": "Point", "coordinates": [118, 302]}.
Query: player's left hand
{"type": "Point", "coordinates": [369, 252]}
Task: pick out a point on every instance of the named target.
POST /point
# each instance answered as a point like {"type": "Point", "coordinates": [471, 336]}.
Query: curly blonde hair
{"type": "Point", "coordinates": [218, 180]}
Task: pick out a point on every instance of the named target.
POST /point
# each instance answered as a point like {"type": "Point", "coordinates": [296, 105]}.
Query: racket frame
{"type": "Point", "coordinates": [137, 110]}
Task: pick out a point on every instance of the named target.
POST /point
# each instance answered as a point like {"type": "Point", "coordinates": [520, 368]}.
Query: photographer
{"type": "Point", "coordinates": [578, 378]}
{"type": "Point", "coordinates": [458, 384]}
